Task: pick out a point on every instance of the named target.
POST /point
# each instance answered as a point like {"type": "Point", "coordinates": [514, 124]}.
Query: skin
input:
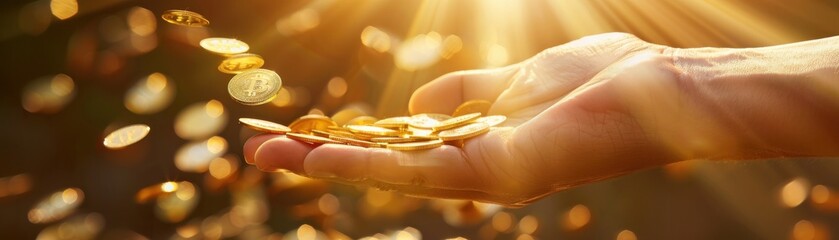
{"type": "Point", "coordinates": [596, 108]}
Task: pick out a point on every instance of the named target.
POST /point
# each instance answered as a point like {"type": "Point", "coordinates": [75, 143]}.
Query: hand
{"type": "Point", "coordinates": [580, 112]}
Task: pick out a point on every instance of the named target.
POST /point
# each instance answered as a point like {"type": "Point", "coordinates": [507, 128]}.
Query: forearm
{"type": "Point", "coordinates": [779, 101]}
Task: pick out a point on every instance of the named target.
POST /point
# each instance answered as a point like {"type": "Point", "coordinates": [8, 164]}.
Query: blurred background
{"type": "Point", "coordinates": [74, 71]}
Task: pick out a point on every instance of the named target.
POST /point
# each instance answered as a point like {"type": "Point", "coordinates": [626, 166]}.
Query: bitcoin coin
{"type": "Point", "coordinates": [456, 121]}
{"type": "Point", "coordinates": [184, 18]}
{"type": "Point", "coordinates": [311, 139]}
{"type": "Point", "coordinates": [393, 122]}
{"type": "Point", "coordinates": [264, 126]}
{"type": "Point", "coordinates": [373, 130]}
{"type": "Point", "coordinates": [473, 106]}
{"type": "Point", "coordinates": [126, 136]}
{"type": "Point", "coordinates": [224, 45]}
{"type": "Point", "coordinates": [493, 120]}
{"type": "Point", "coordinates": [306, 124]}
{"type": "Point", "coordinates": [241, 62]}
{"type": "Point", "coordinates": [254, 87]}
{"type": "Point", "coordinates": [464, 132]}
{"type": "Point", "coordinates": [413, 146]}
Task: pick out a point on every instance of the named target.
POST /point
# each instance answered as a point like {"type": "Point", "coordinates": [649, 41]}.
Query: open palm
{"type": "Point", "coordinates": [577, 113]}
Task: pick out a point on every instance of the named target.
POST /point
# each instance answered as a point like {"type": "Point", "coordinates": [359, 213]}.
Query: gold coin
{"type": "Point", "coordinates": [311, 139]}
{"type": "Point", "coordinates": [362, 120]}
{"type": "Point", "coordinates": [493, 120]}
{"type": "Point", "coordinates": [254, 87]}
{"type": "Point", "coordinates": [373, 130]}
{"type": "Point", "coordinates": [393, 139]}
{"type": "Point", "coordinates": [415, 145]}
{"type": "Point", "coordinates": [320, 133]}
{"type": "Point", "coordinates": [464, 132]}
{"type": "Point", "coordinates": [344, 116]}
{"type": "Point", "coordinates": [264, 126]}
{"type": "Point", "coordinates": [306, 124]}
{"type": "Point", "coordinates": [240, 62]}
{"type": "Point", "coordinates": [345, 134]}
{"type": "Point", "coordinates": [420, 132]}
{"type": "Point", "coordinates": [126, 136]}
{"type": "Point", "coordinates": [457, 121]}
{"type": "Point", "coordinates": [353, 141]}
{"type": "Point", "coordinates": [394, 122]}
{"type": "Point", "coordinates": [224, 45]}
{"type": "Point", "coordinates": [184, 18]}
{"type": "Point", "coordinates": [473, 106]}
{"type": "Point", "coordinates": [424, 121]}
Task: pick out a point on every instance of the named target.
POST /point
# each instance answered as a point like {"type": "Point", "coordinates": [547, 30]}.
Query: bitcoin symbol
{"type": "Point", "coordinates": [258, 85]}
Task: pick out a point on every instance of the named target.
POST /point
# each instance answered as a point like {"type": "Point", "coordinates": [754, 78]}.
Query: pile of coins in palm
{"type": "Point", "coordinates": [405, 133]}
{"type": "Point", "coordinates": [251, 85]}
{"type": "Point", "coordinates": [254, 86]}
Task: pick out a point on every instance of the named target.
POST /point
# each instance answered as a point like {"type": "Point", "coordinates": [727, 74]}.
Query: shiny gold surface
{"type": "Point", "coordinates": [264, 126]}
{"type": "Point", "coordinates": [184, 18]}
{"type": "Point", "coordinates": [126, 136]}
{"type": "Point", "coordinates": [224, 45]}
{"type": "Point", "coordinates": [239, 63]}
{"type": "Point", "coordinates": [254, 87]}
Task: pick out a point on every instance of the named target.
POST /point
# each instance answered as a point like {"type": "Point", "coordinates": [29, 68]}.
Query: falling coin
{"type": "Point", "coordinates": [264, 126]}
{"type": "Point", "coordinates": [254, 87]}
{"type": "Point", "coordinates": [224, 45]}
{"type": "Point", "coordinates": [126, 136]}
{"type": "Point", "coordinates": [241, 62]}
{"type": "Point", "coordinates": [184, 18]}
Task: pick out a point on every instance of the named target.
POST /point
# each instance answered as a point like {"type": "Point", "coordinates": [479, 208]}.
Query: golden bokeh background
{"type": "Point", "coordinates": [74, 71]}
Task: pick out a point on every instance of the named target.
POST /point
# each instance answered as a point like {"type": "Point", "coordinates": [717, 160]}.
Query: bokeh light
{"type": "Point", "coordinates": [76, 71]}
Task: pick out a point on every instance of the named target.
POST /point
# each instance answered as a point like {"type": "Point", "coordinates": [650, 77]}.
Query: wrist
{"type": "Point", "coordinates": [763, 102]}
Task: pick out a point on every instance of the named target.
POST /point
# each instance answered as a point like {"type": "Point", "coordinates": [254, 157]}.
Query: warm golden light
{"type": "Point", "coordinates": [48, 94]}
{"type": "Point", "coordinates": [502, 221]}
{"type": "Point", "coordinates": [306, 232]}
{"type": "Point", "coordinates": [337, 87]}
{"type": "Point", "coordinates": [169, 187]}
{"type": "Point", "coordinates": [150, 94]}
{"type": "Point", "coordinates": [528, 224]}
{"type": "Point", "coordinates": [794, 192]}
{"type": "Point", "coordinates": [200, 120]}
{"type": "Point", "coordinates": [64, 9]}
{"type": "Point", "coordinates": [626, 235]}
{"type": "Point", "coordinates": [283, 99]}
{"type": "Point", "coordinates": [329, 204]}
{"type": "Point", "coordinates": [820, 194]}
{"type": "Point", "coordinates": [376, 39]}
{"type": "Point", "coordinates": [141, 21]}
{"type": "Point", "coordinates": [578, 217]}
{"type": "Point", "coordinates": [804, 230]}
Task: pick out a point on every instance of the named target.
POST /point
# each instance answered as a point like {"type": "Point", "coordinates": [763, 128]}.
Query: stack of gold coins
{"type": "Point", "coordinates": [405, 133]}
{"type": "Point", "coordinates": [251, 85]}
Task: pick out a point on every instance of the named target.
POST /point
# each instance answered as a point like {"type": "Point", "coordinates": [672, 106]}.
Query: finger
{"type": "Point", "coordinates": [249, 149]}
{"type": "Point", "coordinates": [439, 168]}
{"type": "Point", "coordinates": [444, 94]}
{"type": "Point", "coordinates": [282, 153]}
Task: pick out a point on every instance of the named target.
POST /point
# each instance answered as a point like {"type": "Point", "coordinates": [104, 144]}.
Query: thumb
{"type": "Point", "coordinates": [444, 94]}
